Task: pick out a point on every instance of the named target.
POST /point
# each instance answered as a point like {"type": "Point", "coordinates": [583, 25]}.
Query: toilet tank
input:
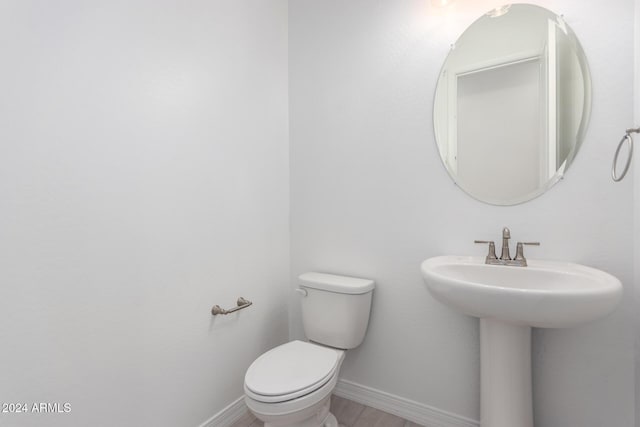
{"type": "Point", "coordinates": [335, 309]}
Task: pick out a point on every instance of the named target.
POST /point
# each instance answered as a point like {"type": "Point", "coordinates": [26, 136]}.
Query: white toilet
{"type": "Point", "coordinates": [291, 385]}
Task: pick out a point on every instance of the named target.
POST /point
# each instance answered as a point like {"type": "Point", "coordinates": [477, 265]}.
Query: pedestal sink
{"type": "Point", "coordinates": [509, 301]}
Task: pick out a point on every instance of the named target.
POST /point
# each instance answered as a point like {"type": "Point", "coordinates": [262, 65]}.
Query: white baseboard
{"type": "Point", "coordinates": [228, 415]}
{"type": "Point", "coordinates": [408, 409]}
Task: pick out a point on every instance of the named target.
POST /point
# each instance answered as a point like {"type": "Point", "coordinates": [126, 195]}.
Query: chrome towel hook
{"type": "Point", "coordinates": [627, 137]}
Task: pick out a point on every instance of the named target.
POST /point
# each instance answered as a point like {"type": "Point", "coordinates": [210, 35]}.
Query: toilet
{"type": "Point", "coordinates": [291, 385]}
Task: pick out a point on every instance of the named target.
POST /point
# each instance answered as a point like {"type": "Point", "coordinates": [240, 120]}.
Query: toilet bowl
{"type": "Point", "coordinates": [291, 385]}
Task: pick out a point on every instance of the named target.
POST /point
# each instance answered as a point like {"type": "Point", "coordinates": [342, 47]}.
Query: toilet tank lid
{"type": "Point", "coordinates": [335, 283]}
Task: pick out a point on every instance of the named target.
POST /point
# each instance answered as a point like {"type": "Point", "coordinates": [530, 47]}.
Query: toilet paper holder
{"type": "Point", "coordinates": [241, 303]}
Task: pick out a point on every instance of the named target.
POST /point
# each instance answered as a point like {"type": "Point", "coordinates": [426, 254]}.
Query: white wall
{"type": "Point", "coordinates": [143, 178]}
{"type": "Point", "coordinates": [371, 198]}
{"type": "Point", "coordinates": [636, 201]}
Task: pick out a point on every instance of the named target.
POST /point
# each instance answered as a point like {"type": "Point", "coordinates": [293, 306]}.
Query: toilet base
{"type": "Point", "coordinates": [317, 415]}
{"type": "Point", "coordinates": [329, 421]}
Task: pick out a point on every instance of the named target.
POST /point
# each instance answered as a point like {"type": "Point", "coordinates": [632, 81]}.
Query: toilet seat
{"type": "Point", "coordinates": [290, 371]}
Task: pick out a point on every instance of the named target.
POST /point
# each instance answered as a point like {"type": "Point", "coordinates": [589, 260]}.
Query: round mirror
{"type": "Point", "coordinates": [512, 104]}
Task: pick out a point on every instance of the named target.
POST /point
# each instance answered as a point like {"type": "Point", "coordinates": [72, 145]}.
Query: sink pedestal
{"type": "Point", "coordinates": [505, 375]}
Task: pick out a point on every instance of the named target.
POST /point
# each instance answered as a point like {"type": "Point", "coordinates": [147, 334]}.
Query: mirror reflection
{"type": "Point", "coordinates": [512, 104]}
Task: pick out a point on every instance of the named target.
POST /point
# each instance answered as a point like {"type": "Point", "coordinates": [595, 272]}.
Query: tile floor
{"type": "Point", "coordinates": [348, 413]}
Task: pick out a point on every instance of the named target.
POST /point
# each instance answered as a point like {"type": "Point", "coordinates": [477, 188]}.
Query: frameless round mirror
{"type": "Point", "coordinates": [512, 104]}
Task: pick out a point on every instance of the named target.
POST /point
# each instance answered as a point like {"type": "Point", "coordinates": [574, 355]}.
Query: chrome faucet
{"type": "Point", "coordinates": [505, 258]}
{"type": "Point", "coordinates": [506, 235]}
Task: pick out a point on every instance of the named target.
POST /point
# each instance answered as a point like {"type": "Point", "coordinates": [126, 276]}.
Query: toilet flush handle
{"type": "Point", "coordinates": [302, 292]}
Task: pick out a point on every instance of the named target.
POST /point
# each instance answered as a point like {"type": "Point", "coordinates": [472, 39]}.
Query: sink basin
{"type": "Point", "coordinates": [546, 294]}
{"type": "Point", "coordinates": [510, 301]}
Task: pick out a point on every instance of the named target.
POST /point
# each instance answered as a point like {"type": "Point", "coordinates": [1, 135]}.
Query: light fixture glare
{"type": "Point", "coordinates": [441, 3]}
{"type": "Point", "coordinates": [499, 11]}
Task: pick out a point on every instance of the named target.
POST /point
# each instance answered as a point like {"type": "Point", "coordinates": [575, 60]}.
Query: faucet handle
{"type": "Point", "coordinates": [506, 233]}
{"type": "Point", "coordinates": [491, 255]}
{"type": "Point", "coordinates": [520, 251]}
